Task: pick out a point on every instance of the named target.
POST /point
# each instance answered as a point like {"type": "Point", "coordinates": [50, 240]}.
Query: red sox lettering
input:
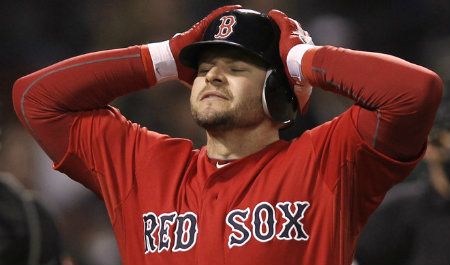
{"type": "Point", "coordinates": [185, 232]}
{"type": "Point", "coordinates": [157, 236]}
{"type": "Point", "coordinates": [264, 223]}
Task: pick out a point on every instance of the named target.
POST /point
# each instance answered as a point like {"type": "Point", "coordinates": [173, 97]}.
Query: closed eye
{"type": "Point", "coordinates": [238, 67]}
{"type": "Point", "coordinates": [202, 71]}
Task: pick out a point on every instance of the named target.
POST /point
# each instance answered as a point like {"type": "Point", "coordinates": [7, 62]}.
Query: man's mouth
{"type": "Point", "coordinates": [211, 95]}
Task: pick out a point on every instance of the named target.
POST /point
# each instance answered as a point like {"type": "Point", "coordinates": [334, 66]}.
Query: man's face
{"type": "Point", "coordinates": [226, 94]}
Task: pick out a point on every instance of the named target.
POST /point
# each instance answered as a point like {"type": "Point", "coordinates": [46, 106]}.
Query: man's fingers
{"type": "Point", "coordinates": [277, 15]}
{"type": "Point", "coordinates": [282, 20]}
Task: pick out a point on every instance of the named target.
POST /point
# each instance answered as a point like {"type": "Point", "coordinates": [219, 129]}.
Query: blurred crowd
{"type": "Point", "coordinates": [37, 33]}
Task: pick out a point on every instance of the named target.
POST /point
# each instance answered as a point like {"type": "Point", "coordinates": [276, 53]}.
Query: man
{"type": "Point", "coordinates": [246, 197]}
{"type": "Point", "coordinates": [413, 225]}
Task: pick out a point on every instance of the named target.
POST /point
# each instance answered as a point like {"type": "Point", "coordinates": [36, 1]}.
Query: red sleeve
{"type": "Point", "coordinates": [366, 150]}
{"type": "Point", "coordinates": [48, 101]}
{"type": "Point", "coordinates": [398, 99]}
{"type": "Point", "coordinates": [65, 108]}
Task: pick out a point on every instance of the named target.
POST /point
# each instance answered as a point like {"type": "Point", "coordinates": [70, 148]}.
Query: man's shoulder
{"type": "Point", "coordinates": [323, 133]}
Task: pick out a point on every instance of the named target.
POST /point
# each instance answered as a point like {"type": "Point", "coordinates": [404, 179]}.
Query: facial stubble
{"type": "Point", "coordinates": [245, 114]}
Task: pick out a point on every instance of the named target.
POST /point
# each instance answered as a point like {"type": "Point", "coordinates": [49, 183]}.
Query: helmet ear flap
{"type": "Point", "coordinates": [278, 99]}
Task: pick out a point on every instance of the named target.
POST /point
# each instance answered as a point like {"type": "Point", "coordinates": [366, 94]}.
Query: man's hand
{"type": "Point", "coordinates": [161, 58]}
{"type": "Point", "coordinates": [294, 42]}
{"type": "Point", "coordinates": [194, 34]}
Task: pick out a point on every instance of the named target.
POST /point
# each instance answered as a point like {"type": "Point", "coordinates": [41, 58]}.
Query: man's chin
{"type": "Point", "coordinates": [214, 123]}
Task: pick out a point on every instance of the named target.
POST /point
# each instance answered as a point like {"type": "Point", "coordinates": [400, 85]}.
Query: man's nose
{"type": "Point", "coordinates": [215, 76]}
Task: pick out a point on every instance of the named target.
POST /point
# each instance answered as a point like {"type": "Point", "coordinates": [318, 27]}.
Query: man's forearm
{"type": "Point", "coordinates": [399, 99]}
{"type": "Point", "coordinates": [47, 101]}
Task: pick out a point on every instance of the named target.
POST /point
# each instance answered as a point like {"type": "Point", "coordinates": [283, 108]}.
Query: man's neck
{"type": "Point", "coordinates": [238, 143]}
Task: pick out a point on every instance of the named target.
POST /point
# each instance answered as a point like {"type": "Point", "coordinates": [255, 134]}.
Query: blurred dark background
{"type": "Point", "coordinates": [35, 34]}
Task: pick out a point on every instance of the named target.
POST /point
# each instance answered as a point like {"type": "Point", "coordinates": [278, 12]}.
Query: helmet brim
{"type": "Point", "coordinates": [190, 54]}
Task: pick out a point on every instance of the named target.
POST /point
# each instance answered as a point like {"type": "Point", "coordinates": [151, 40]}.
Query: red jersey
{"type": "Point", "coordinates": [299, 202]}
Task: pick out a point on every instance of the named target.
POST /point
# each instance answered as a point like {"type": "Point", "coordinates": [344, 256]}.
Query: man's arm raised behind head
{"type": "Point", "coordinates": [48, 101]}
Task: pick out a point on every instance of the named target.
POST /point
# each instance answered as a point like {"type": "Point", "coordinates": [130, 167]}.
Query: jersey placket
{"type": "Point", "coordinates": [210, 248]}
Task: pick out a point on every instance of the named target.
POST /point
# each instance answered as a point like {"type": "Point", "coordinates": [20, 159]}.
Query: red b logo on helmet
{"type": "Point", "coordinates": [226, 27]}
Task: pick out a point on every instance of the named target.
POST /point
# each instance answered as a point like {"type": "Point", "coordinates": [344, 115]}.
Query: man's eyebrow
{"type": "Point", "coordinates": [204, 62]}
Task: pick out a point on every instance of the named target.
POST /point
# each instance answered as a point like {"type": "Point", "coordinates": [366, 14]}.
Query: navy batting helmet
{"type": "Point", "coordinates": [256, 35]}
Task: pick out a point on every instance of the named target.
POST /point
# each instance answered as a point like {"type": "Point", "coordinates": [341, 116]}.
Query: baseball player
{"type": "Point", "coordinates": [247, 197]}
